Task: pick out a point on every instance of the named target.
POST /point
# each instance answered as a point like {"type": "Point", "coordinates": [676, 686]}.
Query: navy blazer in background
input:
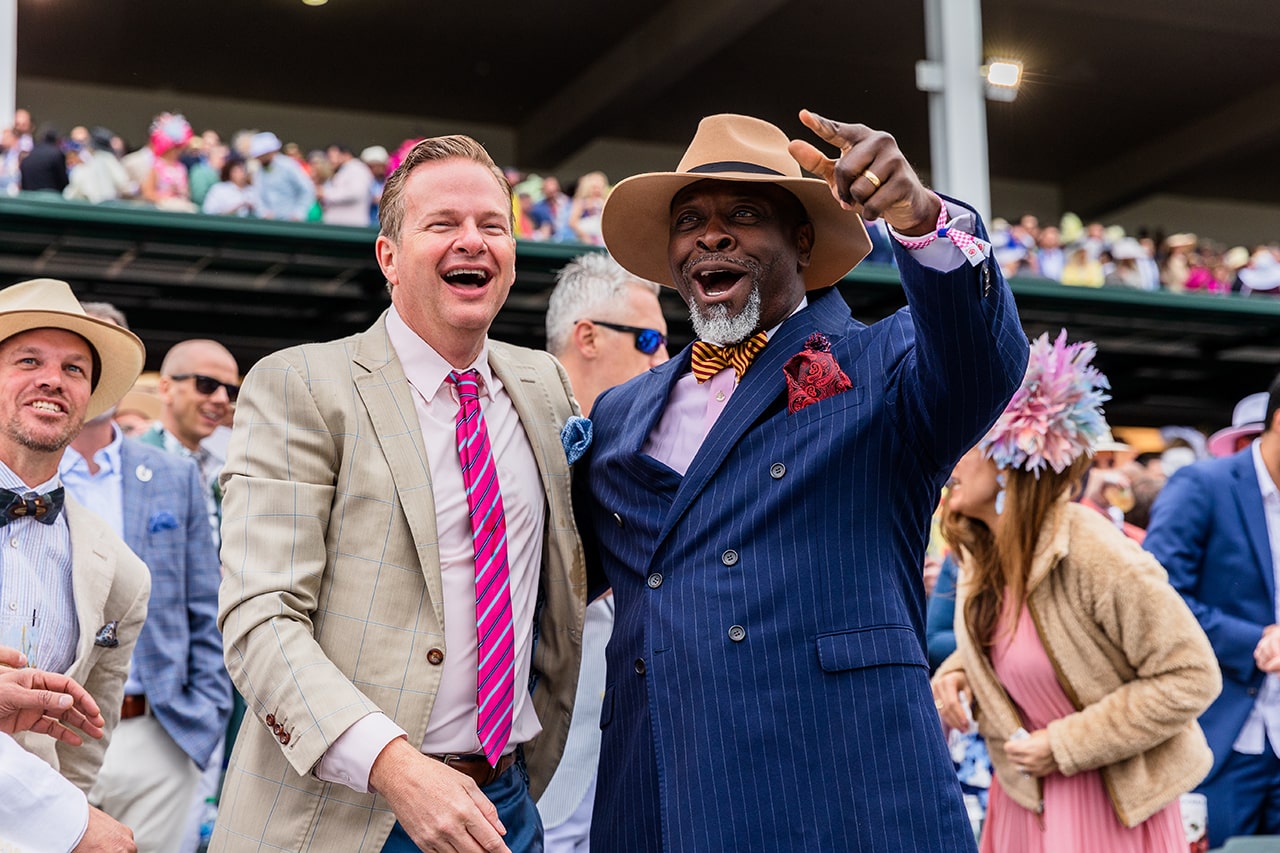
{"type": "Point", "coordinates": [1209, 530]}
{"type": "Point", "coordinates": [767, 681]}
{"type": "Point", "coordinates": [179, 652]}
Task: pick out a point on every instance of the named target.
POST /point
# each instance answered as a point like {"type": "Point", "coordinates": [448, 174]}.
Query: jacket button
{"type": "Point", "coordinates": [286, 737]}
{"type": "Point", "coordinates": [639, 666]}
{"type": "Point", "coordinates": [435, 657]}
{"type": "Point", "coordinates": [271, 719]}
{"type": "Point", "coordinates": [654, 581]}
{"type": "Point", "coordinates": [1253, 691]}
{"type": "Point", "coordinates": [737, 633]}
{"type": "Point", "coordinates": [777, 470]}
{"type": "Point", "coordinates": [729, 558]}
{"type": "Point", "coordinates": [617, 519]}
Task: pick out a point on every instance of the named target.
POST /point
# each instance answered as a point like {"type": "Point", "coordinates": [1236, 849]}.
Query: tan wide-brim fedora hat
{"type": "Point", "coordinates": [637, 216]}
{"type": "Point", "coordinates": [46, 303]}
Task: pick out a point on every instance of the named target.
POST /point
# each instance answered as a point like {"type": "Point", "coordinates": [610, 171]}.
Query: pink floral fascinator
{"type": "Point", "coordinates": [1056, 414]}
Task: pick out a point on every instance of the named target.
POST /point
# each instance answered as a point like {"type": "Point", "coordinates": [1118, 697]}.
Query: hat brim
{"type": "Point", "coordinates": [120, 352]}
{"type": "Point", "coordinates": [637, 222]}
{"type": "Point", "coordinates": [1223, 442]}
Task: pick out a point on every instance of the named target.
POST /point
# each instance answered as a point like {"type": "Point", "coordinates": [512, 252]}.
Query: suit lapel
{"type": "Point", "coordinates": [650, 396]}
{"type": "Point", "coordinates": [137, 508]}
{"type": "Point", "coordinates": [1249, 500]}
{"type": "Point", "coordinates": [762, 385]}
{"type": "Point", "coordinates": [520, 380]}
{"type": "Point", "coordinates": [92, 572]}
{"type": "Point", "coordinates": [388, 400]}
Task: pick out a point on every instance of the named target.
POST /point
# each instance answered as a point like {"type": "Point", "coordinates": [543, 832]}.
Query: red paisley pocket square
{"type": "Point", "coordinates": [813, 374]}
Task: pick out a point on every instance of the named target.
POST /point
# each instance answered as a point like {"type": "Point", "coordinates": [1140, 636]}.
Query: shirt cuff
{"type": "Point", "coordinates": [960, 242]}
{"type": "Point", "coordinates": [349, 759]}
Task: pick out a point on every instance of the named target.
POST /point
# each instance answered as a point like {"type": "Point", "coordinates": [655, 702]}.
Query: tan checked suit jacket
{"type": "Point", "coordinates": [110, 584]}
{"type": "Point", "coordinates": [332, 597]}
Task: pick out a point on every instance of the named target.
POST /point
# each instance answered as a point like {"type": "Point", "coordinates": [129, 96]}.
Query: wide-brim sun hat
{"type": "Point", "coordinates": [46, 303]}
{"type": "Point", "coordinates": [1248, 419]}
{"type": "Point", "coordinates": [637, 216]}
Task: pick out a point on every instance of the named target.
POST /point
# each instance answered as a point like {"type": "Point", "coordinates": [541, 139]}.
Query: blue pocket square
{"type": "Point", "coordinates": [162, 520]}
{"type": "Point", "coordinates": [576, 437]}
{"type": "Point", "coordinates": [106, 636]}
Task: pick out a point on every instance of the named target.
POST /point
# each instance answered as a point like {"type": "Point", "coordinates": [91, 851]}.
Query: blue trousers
{"type": "Point", "coordinates": [509, 794]}
{"type": "Point", "coordinates": [1243, 797]}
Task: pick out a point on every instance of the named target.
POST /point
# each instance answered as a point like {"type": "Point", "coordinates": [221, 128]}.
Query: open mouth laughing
{"type": "Point", "coordinates": [469, 277]}
{"type": "Point", "coordinates": [715, 278]}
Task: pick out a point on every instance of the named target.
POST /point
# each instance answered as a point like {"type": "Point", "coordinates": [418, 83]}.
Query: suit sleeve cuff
{"type": "Point", "coordinates": [349, 760]}
{"type": "Point", "coordinates": [959, 243]}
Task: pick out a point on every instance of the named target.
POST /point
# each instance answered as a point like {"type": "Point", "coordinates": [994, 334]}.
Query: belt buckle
{"type": "Point", "coordinates": [448, 758]}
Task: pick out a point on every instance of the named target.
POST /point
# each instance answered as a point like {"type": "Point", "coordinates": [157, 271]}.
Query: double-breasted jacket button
{"type": "Point", "coordinates": [435, 657]}
{"type": "Point", "coordinates": [729, 558]}
{"type": "Point", "coordinates": [639, 666]}
{"type": "Point", "coordinates": [737, 633]}
{"type": "Point", "coordinates": [777, 470]}
{"type": "Point", "coordinates": [654, 580]}
{"type": "Point", "coordinates": [617, 519]}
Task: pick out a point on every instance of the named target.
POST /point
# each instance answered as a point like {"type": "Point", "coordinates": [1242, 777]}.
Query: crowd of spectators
{"type": "Point", "coordinates": [254, 174]}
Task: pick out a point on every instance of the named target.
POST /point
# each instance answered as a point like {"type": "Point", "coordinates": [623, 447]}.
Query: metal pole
{"type": "Point", "coordinates": [957, 107]}
{"type": "Point", "coordinates": [8, 61]}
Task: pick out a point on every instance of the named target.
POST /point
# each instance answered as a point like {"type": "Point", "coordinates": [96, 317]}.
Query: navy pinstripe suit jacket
{"type": "Point", "coordinates": [767, 683]}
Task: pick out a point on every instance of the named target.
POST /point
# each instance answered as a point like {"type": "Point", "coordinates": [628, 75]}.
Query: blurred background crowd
{"type": "Point", "coordinates": [255, 174]}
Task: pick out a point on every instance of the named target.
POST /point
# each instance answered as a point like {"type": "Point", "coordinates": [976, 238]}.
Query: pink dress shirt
{"type": "Point", "coordinates": [452, 726]}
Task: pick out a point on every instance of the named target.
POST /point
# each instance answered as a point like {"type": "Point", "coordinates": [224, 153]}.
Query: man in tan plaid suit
{"type": "Point", "coordinates": [348, 609]}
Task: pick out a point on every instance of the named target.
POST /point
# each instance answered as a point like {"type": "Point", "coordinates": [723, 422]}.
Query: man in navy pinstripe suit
{"type": "Point", "coordinates": [762, 522]}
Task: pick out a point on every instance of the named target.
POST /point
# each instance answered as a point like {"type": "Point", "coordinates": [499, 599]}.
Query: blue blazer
{"type": "Point", "coordinates": [767, 684]}
{"type": "Point", "coordinates": [179, 653]}
{"type": "Point", "coordinates": [1209, 531]}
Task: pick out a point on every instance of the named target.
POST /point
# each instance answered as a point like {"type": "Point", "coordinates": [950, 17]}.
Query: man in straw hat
{"type": "Point", "coordinates": [761, 502]}
{"type": "Point", "coordinates": [1216, 528]}
{"type": "Point", "coordinates": [75, 595]}
{"type": "Point", "coordinates": [397, 524]}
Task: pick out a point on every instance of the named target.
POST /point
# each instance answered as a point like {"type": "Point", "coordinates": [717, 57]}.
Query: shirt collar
{"type": "Point", "coordinates": [425, 368]}
{"type": "Point", "coordinates": [108, 458]}
{"type": "Point", "coordinates": [1265, 483]}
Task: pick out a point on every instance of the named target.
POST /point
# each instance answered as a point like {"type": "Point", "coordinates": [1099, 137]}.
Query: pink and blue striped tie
{"type": "Point", "coordinates": [495, 678]}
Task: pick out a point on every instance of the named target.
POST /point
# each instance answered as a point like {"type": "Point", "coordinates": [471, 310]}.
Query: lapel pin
{"type": "Point", "coordinates": [143, 473]}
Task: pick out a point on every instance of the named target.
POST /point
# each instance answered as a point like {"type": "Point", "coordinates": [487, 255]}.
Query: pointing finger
{"type": "Point", "coordinates": [824, 127]}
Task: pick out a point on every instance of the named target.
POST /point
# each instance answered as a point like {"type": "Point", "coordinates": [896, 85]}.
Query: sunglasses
{"type": "Point", "coordinates": [647, 340]}
{"type": "Point", "coordinates": [208, 385]}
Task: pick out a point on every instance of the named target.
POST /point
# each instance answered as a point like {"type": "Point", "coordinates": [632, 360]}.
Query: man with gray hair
{"type": "Point", "coordinates": [604, 324]}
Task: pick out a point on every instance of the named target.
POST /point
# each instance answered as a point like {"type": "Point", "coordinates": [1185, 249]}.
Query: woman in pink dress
{"type": "Point", "coordinates": [1083, 667]}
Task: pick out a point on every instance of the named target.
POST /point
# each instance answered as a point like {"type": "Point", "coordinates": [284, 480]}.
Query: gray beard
{"type": "Point", "coordinates": [715, 326]}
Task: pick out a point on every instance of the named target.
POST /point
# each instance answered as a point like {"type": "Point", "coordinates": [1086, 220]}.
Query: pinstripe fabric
{"type": "Point", "coordinates": [767, 684]}
{"type": "Point", "coordinates": [109, 584]}
{"type": "Point", "coordinates": [333, 595]}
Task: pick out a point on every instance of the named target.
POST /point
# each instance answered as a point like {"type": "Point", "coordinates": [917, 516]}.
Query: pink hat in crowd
{"type": "Point", "coordinates": [1248, 419]}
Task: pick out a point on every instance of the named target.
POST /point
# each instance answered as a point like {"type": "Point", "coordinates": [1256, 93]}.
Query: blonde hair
{"type": "Point", "coordinates": [434, 149]}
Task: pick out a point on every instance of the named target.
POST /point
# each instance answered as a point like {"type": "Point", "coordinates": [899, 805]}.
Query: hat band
{"type": "Point", "coordinates": [734, 166]}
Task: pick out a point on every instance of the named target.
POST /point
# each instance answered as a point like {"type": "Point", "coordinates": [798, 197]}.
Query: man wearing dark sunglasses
{"type": "Point", "coordinates": [605, 325]}
{"type": "Point", "coordinates": [199, 382]}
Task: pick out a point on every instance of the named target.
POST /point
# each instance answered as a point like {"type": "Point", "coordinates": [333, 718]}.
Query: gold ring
{"type": "Point", "coordinates": [871, 177]}
{"type": "Point", "coordinates": [937, 703]}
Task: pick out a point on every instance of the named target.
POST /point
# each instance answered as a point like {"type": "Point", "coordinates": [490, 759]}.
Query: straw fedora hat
{"type": "Point", "coordinates": [46, 303]}
{"type": "Point", "coordinates": [637, 216]}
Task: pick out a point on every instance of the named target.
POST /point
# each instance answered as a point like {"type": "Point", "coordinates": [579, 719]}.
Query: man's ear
{"type": "Point", "coordinates": [386, 252]}
{"type": "Point", "coordinates": [585, 339]}
{"type": "Point", "coordinates": [804, 244]}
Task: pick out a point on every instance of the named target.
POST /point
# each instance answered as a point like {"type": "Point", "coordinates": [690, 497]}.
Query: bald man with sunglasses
{"type": "Point", "coordinates": [199, 383]}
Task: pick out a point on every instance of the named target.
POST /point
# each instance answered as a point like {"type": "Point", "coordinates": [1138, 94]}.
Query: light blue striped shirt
{"type": "Point", "coordinates": [37, 602]}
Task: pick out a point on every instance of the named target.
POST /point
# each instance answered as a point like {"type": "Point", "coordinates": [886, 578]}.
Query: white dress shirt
{"type": "Point", "coordinates": [452, 726]}
{"type": "Point", "coordinates": [1264, 720]}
